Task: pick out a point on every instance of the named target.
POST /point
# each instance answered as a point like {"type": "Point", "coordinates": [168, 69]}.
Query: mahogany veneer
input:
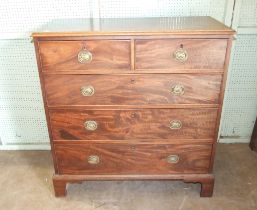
{"type": "Point", "coordinates": [134, 89]}
{"type": "Point", "coordinates": [133, 124]}
{"type": "Point", "coordinates": [62, 55]}
{"type": "Point", "coordinates": [130, 158]}
{"type": "Point", "coordinates": [136, 99]}
{"type": "Point", "coordinates": [204, 53]}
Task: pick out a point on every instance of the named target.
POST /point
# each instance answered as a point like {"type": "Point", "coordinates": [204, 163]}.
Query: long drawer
{"type": "Point", "coordinates": [180, 54]}
{"type": "Point", "coordinates": [84, 55]}
{"type": "Point", "coordinates": [133, 124]}
{"type": "Point", "coordinates": [132, 158]}
{"type": "Point", "coordinates": [132, 89]}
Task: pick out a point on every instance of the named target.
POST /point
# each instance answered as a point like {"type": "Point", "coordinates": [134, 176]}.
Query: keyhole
{"type": "Point", "coordinates": [133, 148]}
{"type": "Point", "coordinates": [134, 114]}
{"type": "Point", "coordinates": [132, 80]}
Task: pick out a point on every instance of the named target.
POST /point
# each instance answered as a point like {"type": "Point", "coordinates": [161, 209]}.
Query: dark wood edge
{"type": "Point", "coordinates": [136, 35]}
{"type": "Point", "coordinates": [133, 107]}
{"type": "Point", "coordinates": [136, 141]}
{"type": "Point", "coordinates": [41, 77]}
{"type": "Point", "coordinates": [186, 177]}
{"type": "Point", "coordinates": [253, 143]}
{"type": "Point", "coordinates": [135, 71]}
{"type": "Point", "coordinates": [206, 180]}
{"type": "Point", "coordinates": [221, 99]}
{"type": "Point", "coordinates": [132, 55]}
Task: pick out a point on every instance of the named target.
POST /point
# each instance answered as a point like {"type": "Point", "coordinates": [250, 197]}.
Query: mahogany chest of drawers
{"type": "Point", "coordinates": [136, 98]}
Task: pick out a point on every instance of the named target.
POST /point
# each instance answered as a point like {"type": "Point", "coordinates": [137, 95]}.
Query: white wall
{"type": "Point", "coordinates": [240, 108]}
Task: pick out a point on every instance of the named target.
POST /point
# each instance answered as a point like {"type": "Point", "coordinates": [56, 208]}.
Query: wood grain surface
{"type": "Point", "coordinates": [63, 55]}
{"type": "Point", "coordinates": [133, 124]}
{"type": "Point", "coordinates": [132, 159]}
{"type": "Point", "coordinates": [133, 71]}
{"type": "Point", "coordinates": [154, 26]}
{"type": "Point", "coordinates": [146, 89]}
{"type": "Point", "coordinates": [202, 53]}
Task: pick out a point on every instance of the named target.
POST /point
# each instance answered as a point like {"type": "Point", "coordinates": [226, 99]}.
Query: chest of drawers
{"type": "Point", "coordinates": [130, 99]}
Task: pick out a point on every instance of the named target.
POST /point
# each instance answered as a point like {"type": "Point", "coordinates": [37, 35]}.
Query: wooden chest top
{"type": "Point", "coordinates": [133, 26]}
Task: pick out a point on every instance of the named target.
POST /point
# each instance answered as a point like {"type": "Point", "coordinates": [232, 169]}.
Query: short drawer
{"type": "Point", "coordinates": [132, 89]}
{"type": "Point", "coordinates": [84, 55]}
{"type": "Point", "coordinates": [132, 158]}
{"type": "Point", "coordinates": [180, 54]}
{"type": "Point", "coordinates": [133, 124]}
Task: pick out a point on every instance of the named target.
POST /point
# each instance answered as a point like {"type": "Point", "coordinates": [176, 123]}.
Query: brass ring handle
{"type": "Point", "coordinates": [177, 90]}
{"type": "Point", "coordinates": [180, 55]}
{"type": "Point", "coordinates": [172, 159]}
{"type": "Point", "coordinates": [87, 90]}
{"type": "Point", "coordinates": [84, 56]}
{"type": "Point", "coordinates": [90, 125]}
{"type": "Point", "coordinates": [93, 159]}
{"type": "Point", "coordinates": [175, 124]}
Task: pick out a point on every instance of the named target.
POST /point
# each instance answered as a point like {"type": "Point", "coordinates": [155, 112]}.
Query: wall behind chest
{"type": "Point", "coordinates": [240, 105]}
{"type": "Point", "coordinates": [22, 119]}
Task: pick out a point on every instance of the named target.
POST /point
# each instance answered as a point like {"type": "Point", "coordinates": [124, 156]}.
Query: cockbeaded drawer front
{"type": "Point", "coordinates": [180, 54]}
{"type": "Point", "coordinates": [132, 158]}
{"type": "Point", "coordinates": [84, 55]}
{"type": "Point", "coordinates": [132, 89]}
{"type": "Point", "coordinates": [133, 124]}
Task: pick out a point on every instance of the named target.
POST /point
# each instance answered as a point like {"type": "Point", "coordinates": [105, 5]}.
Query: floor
{"type": "Point", "coordinates": [25, 184]}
